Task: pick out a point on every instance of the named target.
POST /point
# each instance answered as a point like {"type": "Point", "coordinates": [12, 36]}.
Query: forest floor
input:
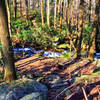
{"type": "Point", "coordinates": [42, 66]}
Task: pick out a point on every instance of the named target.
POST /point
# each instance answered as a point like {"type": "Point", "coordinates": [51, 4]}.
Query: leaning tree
{"type": "Point", "coordinates": [10, 73]}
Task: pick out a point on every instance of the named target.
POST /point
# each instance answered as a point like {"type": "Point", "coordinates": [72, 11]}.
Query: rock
{"type": "Point", "coordinates": [33, 96]}
{"type": "Point", "coordinates": [22, 87]}
{"type": "Point", "coordinates": [52, 79]}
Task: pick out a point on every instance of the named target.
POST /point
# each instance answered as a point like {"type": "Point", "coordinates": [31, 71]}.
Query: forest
{"type": "Point", "coordinates": [49, 49]}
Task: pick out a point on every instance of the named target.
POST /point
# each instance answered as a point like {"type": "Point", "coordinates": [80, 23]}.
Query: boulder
{"type": "Point", "coordinates": [33, 96]}
{"type": "Point", "coordinates": [23, 87]}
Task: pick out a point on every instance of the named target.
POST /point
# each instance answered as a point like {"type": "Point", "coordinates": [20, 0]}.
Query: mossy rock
{"type": "Point", "coordinates": [22, 87]}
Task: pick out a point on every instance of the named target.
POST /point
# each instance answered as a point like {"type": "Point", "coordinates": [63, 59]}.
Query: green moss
{"type": "Point", "coordinates": [88, 78]}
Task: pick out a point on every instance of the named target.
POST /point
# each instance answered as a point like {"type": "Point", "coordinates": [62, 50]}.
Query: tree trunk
{"type": "Point", "coordinates": [21, 7]}
{"type": "Point", "coordinates": [61, 16]}
{"type": "Point", "coordinates": [55, 14]}
{"type": "Point", "coordinates": [64, 10]}
{"type": "Point", "coordinates": [48, 12]}
{"type": "Point", "coordinates": [67, 13]}
{"type": "Point", "coordinates": [29, 5]}
{"type": "Point", "coordinates": [8, 12]}
{"type": "Point", "coordinates": [59, 6]}
{"type": "Point", "coordinates": [72, 10]}
{"type": "Point", "coordinates": [92, 45]}
{"type": "Point", "coordinates": [45, 7]}
{"type": "Point", "coordinates": [38, 3]}
{"type": "Point", "coordinates": [80, 29]}
{"type": "Point", "coordinates": [95, 31]}
{"type": "Point", "coordinates": [90, 11]}
{"type": "Point", "coordinates": [10, 73]}
{"type": "Point", "coordinates": [15, 8]}
{"type": "Point", "coordinates": [42, 12]}
{"type": "Point", "coordinates": [26, 4]}
{"type": "Point", "coordinates": [32, 4]}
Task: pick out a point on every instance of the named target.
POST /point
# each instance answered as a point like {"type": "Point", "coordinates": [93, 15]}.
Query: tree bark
{"type": "Point", "coordinates": [80, 29]}
{"type": "Point", "coordinates": [32, 4]}
{"type": "Point", "coordinates": [55, 14]}
{"type": "Point", "coordinates": [21, 7]}
{"type": "Point", "coordinates": [45, 8]}
{"type": "Point", "coordinates": [15, 8]}
{"type": "Point", "coordinates": [10, 73]}
{"type": "Point", "coordinates": [61, 16]}
{"type": "Point", "coordinates": [26, 4]}
{"type": "Point", "coordinates": [8, 12]}
{"type": "Point", "coordinates": [72, 10]}
{"type": "Point", "coordinates": [48, 12]}
{"type": "Point", "coordinates": [59, 6]}
{"type": "Point", "coordinates": [95, 31]}
{"type": "Point", "coordinates": [90, 11]}
{"type": "Point", "coordinates": [92, 45]}
{"type": "Point", "coordinates": [42, 12]}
